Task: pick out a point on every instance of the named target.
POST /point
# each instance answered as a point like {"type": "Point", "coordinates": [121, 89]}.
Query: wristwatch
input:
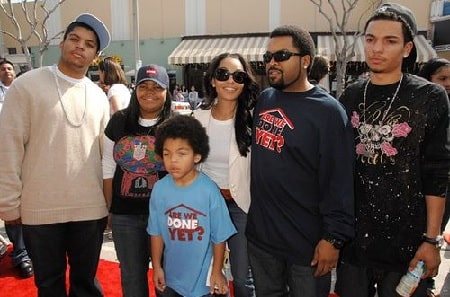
{"type": "Point", "coordinates": [337, 243]}
{"type": "Point", "coordinates": [437, 241]}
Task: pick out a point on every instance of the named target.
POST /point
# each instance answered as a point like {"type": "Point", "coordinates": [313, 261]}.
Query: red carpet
{"type": "Point", "coordinates": [11, 285]}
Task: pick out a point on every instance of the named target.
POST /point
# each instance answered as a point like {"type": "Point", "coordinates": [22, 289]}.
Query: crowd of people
{"type": "Point", "coordinates": [294, 182]}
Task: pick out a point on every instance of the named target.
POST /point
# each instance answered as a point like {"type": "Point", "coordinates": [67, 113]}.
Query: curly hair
{"type": "Point", "coordinates": [184, 127]}
{"type": "Point", "coordinates": [246, 100]}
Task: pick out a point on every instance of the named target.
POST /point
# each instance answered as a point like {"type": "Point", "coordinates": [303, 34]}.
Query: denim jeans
{"type": "Point", "coordinates": [19, 253]}
{"type": "Point", "coordinates": [354, 281]}
{"type": "Point", "coordinates": [132, 244]}
{"type": "Point", "coordinates": [242, 279]}
{"type": "Point", "coordinates": [52, 246]}
{"type": "Point", "coordinates": [275, 277]}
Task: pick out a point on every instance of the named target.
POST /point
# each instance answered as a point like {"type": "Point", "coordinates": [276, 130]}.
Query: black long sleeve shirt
{"type": "Point", "coordinates": [301, 173]}
{"type": "Point", "coordinates": [402, 147]}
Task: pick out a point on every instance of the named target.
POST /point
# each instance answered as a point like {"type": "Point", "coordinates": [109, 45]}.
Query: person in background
{"type": "Point", "coordinates": [319, 70]}
{"type": "Point", "coordinates": [179, 97]}
{"type": "Point", "coordinates": [231, 92]}
{"type": "Point", "coordinates": [52, 122]}
{"type": "Point", "coordinates": [176, 89]}
{"type": "Point", "coordinates": [130, 170]}
{"type": "Point", "coordinates": [114, 84]}
{"type": "Point", "coordinates": [401, 127]}
{"type": "Point", "coordinates": [437, 70]}
{"type": "Point", "coordinates": [184, 91]}
{"type": "Point", "coordinates": [193, 94]}
{"type": "Point", "coordinates": [189, 222]}
{"type": "Point", "coordinates": [301, 212]}
{"type": "Point", "coordinates": [20, 258]}
{"type": "Point", "coordinates": [7, 75]}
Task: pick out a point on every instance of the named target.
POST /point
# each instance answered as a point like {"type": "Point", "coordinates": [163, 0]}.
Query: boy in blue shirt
{"type": "Point", "coordinates": [189, 220]}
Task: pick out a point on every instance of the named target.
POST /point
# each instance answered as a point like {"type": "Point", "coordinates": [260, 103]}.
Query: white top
{"type": "Point", "coordinates": [238, 165]}
{"type": "Point", "coordinates": [216, 165]}
{"type": "Point", "coordinates": [3, 89]}
{"type": "Point", "coordinates": [121, 91]}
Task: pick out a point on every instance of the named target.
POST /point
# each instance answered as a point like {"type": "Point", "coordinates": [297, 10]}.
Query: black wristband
{"type": "Point", "coordinates": [437, 241]}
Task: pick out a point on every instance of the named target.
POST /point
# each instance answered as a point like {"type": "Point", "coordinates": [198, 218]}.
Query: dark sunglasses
{"type": "Point", "coordinates": [222, 74]}
{"type": "Point", "coordinates": [279, 56]}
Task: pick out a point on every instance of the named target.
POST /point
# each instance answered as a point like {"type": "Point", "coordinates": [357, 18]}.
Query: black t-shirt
{"type": "Point", "coordinates": [401, 156]}
{"type": "Point", "coordinates": [138, 167]}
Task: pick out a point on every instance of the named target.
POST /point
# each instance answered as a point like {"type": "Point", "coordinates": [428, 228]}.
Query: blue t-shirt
{"type": "Point", "coordinates": [189, 219]}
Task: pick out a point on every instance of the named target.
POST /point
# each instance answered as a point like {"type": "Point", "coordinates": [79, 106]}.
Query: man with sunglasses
{"type": "Point", "coordinates": [301, 211]}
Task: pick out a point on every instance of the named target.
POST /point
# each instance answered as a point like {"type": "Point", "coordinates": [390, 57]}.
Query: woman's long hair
{"type": "Point", "coordinates": [113, 72]}
{"type": "Point", "coordinates": [246, 100]}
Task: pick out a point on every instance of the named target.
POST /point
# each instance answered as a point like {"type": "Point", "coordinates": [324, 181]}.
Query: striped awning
{"type": "Point", "coordinates": [203, 50]}
{"type": "Point", "coordinates": [326, 47]}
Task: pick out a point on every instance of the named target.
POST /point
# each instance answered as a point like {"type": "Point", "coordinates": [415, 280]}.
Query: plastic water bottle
{"type": "Point", "coordinates": [409, 282]}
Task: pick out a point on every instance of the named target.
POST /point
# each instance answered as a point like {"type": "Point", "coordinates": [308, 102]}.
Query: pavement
{"type": "Point", "coordinates": [442, 280]}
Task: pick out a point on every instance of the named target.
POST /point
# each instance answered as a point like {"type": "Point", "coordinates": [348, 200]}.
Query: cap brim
{"type": "Point", "coordinates": [98, 27]}
{"type": "Point", "coordinates": [154, 80]}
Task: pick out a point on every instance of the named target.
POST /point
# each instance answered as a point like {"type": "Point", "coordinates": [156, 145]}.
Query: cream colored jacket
{"type": "Point", "coordinates": [239, 166]}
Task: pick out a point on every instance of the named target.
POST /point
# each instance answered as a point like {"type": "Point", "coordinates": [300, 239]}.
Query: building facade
{"type": "Point", "coordinates": [183, 35]}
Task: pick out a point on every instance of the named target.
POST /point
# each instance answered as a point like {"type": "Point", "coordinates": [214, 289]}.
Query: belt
{"type": "Point", "coordinates": [226, 194]}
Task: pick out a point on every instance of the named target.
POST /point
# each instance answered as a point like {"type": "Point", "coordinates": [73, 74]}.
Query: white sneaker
{"type": "Point", "coordinates": [3, 249]}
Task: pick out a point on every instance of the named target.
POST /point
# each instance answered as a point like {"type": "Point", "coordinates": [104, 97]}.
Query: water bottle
{"type": "Point", "coordinates": [409, 282]}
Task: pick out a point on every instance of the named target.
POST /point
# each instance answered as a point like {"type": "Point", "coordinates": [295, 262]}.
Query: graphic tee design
{"type": "Point", "coordinates": [270, 127]}
{"type": "Point", "coordinates": [190, 220]}
{"type": "Point", "coordinates": [183, 223]}
{"type": "Point", "coordinates": [136, 156]}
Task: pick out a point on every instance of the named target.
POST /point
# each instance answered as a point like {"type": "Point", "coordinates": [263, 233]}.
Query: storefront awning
{"type": "Point", "coordinates": [326, 47]}
{"type": "Point", "coordinates": [203, 50]}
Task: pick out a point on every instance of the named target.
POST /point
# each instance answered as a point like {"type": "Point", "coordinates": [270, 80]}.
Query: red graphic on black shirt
{"type": "Point", "coordinates": [270, 128]}
{"type": "Point", "coordinates": [183, 223]}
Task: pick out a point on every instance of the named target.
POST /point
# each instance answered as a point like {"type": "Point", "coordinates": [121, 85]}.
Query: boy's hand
{"type": "Point", "coordinates": [218, 284]}
{"type": "Point", "coordinates": [159, 279]}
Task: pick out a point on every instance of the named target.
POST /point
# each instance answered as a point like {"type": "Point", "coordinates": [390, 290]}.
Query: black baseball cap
{"type": "Point", "coordinates": [155, 73]}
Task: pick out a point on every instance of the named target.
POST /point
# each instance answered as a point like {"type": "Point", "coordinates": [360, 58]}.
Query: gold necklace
{"type": "Point", "coordinates": [71, 122]}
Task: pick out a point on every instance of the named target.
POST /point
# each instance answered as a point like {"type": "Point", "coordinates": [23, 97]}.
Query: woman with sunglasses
{"type": "Point", "coordinates": [231, 92]}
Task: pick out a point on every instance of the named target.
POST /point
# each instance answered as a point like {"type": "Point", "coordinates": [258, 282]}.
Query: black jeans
{"type": "Point", "coordinates": [354, 281]}
{"type": "Point", "coordinates": [51, 247]}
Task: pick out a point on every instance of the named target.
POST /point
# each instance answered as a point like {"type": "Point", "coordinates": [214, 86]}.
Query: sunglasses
{"type": "Point", "coordinates": [279, 56]}
{"type": "Point", "coordinates": [222, 74]}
